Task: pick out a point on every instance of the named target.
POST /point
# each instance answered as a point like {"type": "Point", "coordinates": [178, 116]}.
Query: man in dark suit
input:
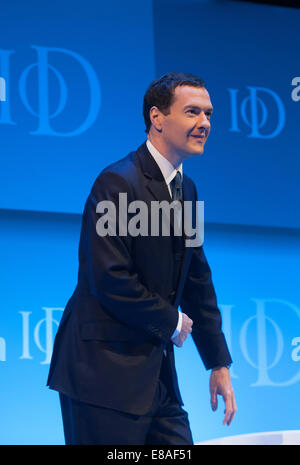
{"type": "Point", "coordinates": [141, 292]}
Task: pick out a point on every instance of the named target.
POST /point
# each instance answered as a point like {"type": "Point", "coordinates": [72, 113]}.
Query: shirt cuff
{"type": "Point", "coordinates": [179, 324]}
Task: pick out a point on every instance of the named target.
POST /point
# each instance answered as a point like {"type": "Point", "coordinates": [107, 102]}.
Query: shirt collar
{"type": "Point", "coordinates": [167, 169]}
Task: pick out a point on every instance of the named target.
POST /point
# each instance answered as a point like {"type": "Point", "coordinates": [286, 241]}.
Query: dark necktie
{"type": "Point", "coordinates": [176, 187]}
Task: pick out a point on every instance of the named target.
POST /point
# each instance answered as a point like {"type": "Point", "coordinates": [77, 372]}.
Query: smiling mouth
{"type": "Point", "coordinates": [201, 138]}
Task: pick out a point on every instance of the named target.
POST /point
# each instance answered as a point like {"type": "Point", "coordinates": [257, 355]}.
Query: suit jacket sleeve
{"type": "Point", "coordinates": [112, 278]}
{"type": "Point", "coordinates": [199, 302]}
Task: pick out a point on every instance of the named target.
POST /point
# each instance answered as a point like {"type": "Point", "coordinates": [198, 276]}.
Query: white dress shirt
{"type": "Point", "coordinates": [169, 173]}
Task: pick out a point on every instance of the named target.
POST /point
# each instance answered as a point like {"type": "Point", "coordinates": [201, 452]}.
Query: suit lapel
{"type": "Point", "coordinates": [155, 182]}
{"type": "Point", "coordinates": [154, 179]}
{"type": "Point", "coordinates": [156, 185]}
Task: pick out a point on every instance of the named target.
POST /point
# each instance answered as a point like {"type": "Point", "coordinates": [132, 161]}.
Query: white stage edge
{"type": "Point", "coordinates": [271, 438]}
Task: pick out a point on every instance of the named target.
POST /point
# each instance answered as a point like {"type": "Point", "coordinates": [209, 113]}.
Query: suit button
{"type": "Point", "coordinates": [172, 295]}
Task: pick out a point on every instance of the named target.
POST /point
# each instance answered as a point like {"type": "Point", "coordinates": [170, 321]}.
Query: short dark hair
{"type": "Point", "coordinates": [160, 93]}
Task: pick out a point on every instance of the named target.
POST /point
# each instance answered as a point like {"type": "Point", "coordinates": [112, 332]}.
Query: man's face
{"type": "Point", "coordinates": [186, 128]}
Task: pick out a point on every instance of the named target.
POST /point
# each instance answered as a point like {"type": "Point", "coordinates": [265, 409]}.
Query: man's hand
{"type": "Point", "coordinates": [186, 329]}
{"type": "Point", "coordinates": [220, 384]}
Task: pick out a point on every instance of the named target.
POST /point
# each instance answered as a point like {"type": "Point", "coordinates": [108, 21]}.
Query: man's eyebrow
{"type": "Point", "coordinates": [197, 107]}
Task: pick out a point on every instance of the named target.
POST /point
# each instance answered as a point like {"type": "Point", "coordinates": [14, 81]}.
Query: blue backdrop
{"type": "Point", "coordinates": [75, 77]}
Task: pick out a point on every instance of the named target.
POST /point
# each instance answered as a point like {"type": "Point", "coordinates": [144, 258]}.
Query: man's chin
{"type": "Point", "coordinates": [198, 151]}
{"type": "Point", "coordinates": [197, 148]}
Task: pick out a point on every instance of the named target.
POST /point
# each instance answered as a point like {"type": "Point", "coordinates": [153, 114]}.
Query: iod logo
{"type": "Point", "coordinates": [261, 110]}
{"type": "Point", "coordinates": [60, 85]}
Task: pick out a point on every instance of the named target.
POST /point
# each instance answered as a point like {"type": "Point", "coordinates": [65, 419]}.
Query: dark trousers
{"type": "Point", "coordinates": [166, 423]}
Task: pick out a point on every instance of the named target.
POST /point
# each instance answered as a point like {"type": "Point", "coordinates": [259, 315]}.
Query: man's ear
{"type": "Point", "coordinates": [156, 118]}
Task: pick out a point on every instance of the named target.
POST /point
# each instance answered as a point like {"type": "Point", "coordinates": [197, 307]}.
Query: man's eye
{"type": "Point", "coordinates": [192, 111]}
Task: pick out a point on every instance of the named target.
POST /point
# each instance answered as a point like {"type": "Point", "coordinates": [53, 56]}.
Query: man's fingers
{"type": "Point", "coordinates": [230, 408]}
{"type": "Point", "coordinates": [220, 384]}
{"type": "Point", "coordinates": [214, 400]}
{"type": "Point", "coordinates": [234, 408]}
{"type": "Point", "coordinates": [186, 329]}
{"type": "Point", "coordinates": [180, 338]}
{"type": "Point", "coordinates": [187, 323]}
{"type": "Point", "coordinates": [214, 405]}
{"type": "Point", "coordinates": [177, 341]}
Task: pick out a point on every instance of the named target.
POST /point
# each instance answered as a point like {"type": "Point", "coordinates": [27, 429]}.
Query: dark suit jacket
{"type": "Point", "coordinates": [109, 346]}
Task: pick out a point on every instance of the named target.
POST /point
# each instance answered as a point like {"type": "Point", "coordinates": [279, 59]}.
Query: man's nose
{"type": "Point", "coordinates": [203, 121]}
